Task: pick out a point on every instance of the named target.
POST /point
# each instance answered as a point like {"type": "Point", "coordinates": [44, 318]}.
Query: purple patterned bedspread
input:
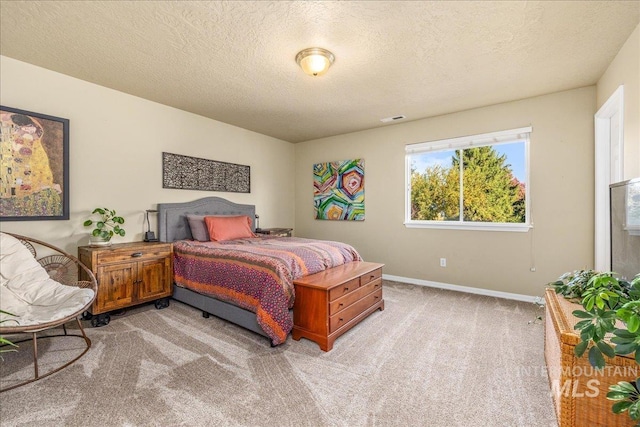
{"type": "Point", "coordinates": [257, 274]}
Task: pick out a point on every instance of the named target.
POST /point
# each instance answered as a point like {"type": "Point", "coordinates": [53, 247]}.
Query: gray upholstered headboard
{"type": "Point", "coordinates": [172, 220]}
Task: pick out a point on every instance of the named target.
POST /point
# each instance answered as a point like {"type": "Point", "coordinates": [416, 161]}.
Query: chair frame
{"type": "Point", "coordinates": [34, 329]}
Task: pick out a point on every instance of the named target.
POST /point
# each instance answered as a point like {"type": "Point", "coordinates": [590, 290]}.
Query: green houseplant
{"type": "Point", "coordinates": [610, 326]}
{"type": "Point", "coordinates": [106, 224]}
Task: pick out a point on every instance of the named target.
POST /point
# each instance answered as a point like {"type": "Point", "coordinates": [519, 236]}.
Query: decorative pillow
{"type": "Point", "coordinates": [198, 228]}
{"type": "Point", "coordinates": [228, 227]}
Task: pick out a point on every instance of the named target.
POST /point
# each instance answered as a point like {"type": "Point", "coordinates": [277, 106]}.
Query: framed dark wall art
{"type": "Point", "coordinates": [194, 173]}
{"type": "Point", "coordinates": [34, 166]}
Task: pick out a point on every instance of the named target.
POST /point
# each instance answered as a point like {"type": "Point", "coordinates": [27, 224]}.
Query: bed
{"type": "Point", "coordinates": [250, 299]}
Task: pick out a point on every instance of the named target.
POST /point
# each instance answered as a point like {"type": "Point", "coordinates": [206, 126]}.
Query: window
{"type": "Point", "coordinates": [474, 182]}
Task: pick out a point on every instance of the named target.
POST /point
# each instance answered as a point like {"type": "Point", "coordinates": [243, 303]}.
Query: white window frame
{"type": "Point", "coordinates": [485, 139]}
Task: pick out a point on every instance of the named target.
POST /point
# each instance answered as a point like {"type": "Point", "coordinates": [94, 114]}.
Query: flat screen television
{"type": "Point", "coordinates": [625, 228]}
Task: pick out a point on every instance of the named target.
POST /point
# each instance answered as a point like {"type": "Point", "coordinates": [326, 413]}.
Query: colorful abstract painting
{"type": "Point", "coordinates": [338, 190]}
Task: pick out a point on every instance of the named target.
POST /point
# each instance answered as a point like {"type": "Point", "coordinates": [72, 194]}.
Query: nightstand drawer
{"type": "Point", "coordinates": [133, 254]}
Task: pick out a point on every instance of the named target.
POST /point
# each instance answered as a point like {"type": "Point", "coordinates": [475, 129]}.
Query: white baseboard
{"type": "Point", "coordinates": [467, 289]}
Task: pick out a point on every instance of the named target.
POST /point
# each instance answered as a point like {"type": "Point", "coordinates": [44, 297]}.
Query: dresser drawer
{"type": "Point", "coordinates": [370, 277]}
{"type": "Point", "coordinates": [135, 254]}
{"type": "Point", "coordinates": [344, 289]}
{"type": "Point", "coordinates": [342, 318]}
{"type": "Point", "coordinates": [345, 301]}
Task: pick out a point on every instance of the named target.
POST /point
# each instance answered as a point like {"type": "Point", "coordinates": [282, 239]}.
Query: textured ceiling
{"type": "Point", "coordinates": [234, 61]}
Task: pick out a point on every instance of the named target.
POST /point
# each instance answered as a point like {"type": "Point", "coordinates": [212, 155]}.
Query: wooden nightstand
{"type": "Point", "coordinates": [128, 274]}
{"type": "Point", "coordinates": [280, 232]}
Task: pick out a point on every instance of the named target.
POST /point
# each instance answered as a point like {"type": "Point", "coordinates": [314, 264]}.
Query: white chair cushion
{"type": "Point", "coordinates": [27, 291]}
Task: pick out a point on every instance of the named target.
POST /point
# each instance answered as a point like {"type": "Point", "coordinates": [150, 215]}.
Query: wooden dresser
{"type": "Point", "coordinates": [128, 274]}
{"type": "Point", "coordinates": [331, 302]}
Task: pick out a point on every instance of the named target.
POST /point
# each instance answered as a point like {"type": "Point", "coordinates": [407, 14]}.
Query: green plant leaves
{"type": "Point", "coordinates": [633, 323]}
{"type": "Point", "coordinates": [583, 314]}
{"type": "Point", "coordinates": [607, 300]}
{"type": "Point", "coordinates": [629, 313]}
{"type": "Point", "coordinates": [3, 341]}
{"type": "Point", "coordinates": [573, 284]}
{"type": "Point", "coordinates": [619, 407]}
{"type": "Point", "coordinates": [634, 410]}
{"type": "Point", "coordinates": [107, 225]}
{"type": "Point", "coordinates": [596, 325]}
{"type": "Point", "coordinates": [580, 348]}
{"type": "Point", "coordinates": [606, 349]}
{"type": "Point", "coordinates": [626, 396]}
{"type": "Point", "coordinates": [595, 357]}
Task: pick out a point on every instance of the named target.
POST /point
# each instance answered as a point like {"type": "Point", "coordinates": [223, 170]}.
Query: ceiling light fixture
{"type": "Point", "coordinates": [315, 61]}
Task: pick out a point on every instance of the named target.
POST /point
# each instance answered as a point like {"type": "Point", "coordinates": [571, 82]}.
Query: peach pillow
{"type": "Point", "coordinates": [228, 227]}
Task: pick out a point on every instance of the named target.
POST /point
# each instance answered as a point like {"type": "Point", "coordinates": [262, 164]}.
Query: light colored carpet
{"type": "Point", "coordinates": [431, 358]}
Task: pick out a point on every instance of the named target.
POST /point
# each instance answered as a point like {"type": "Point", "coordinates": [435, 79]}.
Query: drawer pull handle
{"type": "Point", "coordinates": [372, 277]}
{"type": "Point", "coordinates": [346, 289]}
{"type": "Point", "coordinates": [340, 305]}
{"type": "Point", "coordinates": [136, 254]}
{"type": "Point", "coordinates": [340, 319]}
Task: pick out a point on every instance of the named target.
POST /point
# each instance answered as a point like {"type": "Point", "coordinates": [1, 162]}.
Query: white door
{"type": "Point", "coordinates": [608, 169]}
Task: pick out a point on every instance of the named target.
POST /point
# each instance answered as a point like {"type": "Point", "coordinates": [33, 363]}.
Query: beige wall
{"type": "Point", "coordinates": [625, 70]}
{"type": "Point", "coordinates": [116, 141]}
{"type": "Point", "coordinates": [562, 167]}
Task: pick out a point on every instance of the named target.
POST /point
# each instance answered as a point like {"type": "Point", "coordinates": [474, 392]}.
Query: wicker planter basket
{"type": "Point", "coordinates": [579, 390]}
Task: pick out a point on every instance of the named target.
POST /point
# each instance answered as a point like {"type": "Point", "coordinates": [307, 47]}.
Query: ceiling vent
{"type": "Point", "coordinates": [393, 119]}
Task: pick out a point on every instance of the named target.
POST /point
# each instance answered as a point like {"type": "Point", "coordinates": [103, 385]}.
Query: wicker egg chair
{"type": "Point", "coordinates": [63, 270]}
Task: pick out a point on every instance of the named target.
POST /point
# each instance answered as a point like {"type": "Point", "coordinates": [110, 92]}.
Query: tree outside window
{"type": "Point", "coordinates": [469, 184]}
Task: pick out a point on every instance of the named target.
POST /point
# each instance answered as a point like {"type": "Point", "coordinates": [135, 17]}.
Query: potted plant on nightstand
{"type": "Point", "coordinates": [106, 224]}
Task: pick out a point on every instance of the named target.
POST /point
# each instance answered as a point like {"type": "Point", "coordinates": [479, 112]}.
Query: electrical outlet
{"type": "Point", "coordinates": [443, 262]}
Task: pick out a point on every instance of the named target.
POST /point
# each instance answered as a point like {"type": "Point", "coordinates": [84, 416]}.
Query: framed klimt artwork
{"type": "Point", "coordinates": [34, 166]}
{"type": "Point", "coordinates": [338, 190]}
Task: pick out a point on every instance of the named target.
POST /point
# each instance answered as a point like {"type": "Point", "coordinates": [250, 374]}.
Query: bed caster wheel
{"type": "Point", "coordinates": [205, 314]}
{"type": "Point", "coordinates": [161, 303]}
{"type": "Point", "coordinates": [86, 316]}
{"type": "Point", "coordinates": [100, 320]}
